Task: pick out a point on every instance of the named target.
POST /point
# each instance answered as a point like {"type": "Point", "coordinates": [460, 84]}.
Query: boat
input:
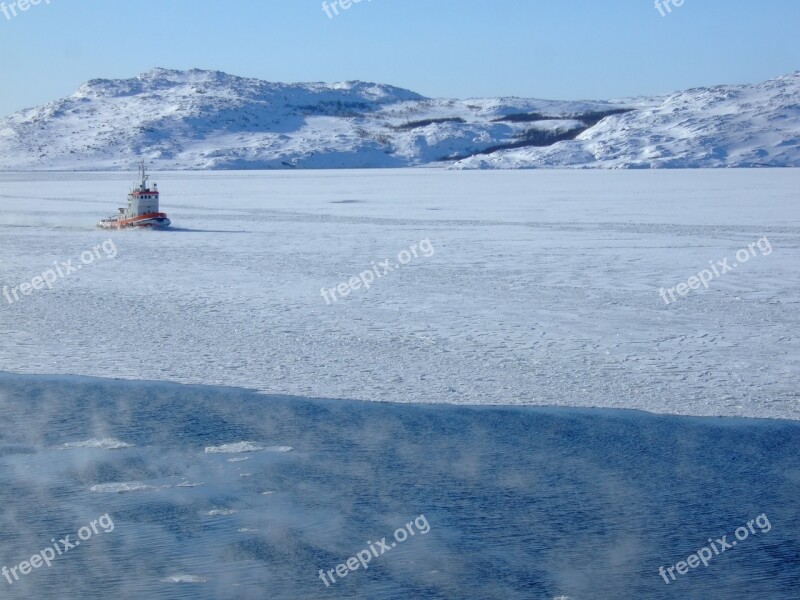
{"type": "Point", "coordinates": [142, 211]}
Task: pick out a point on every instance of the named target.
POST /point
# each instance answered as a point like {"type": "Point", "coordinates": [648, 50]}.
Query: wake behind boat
{"type": "Point", "coordinates": [142, 210]}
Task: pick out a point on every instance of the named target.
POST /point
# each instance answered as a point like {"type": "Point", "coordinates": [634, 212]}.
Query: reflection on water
{"type": "Point", "coordinates": [223, 493]}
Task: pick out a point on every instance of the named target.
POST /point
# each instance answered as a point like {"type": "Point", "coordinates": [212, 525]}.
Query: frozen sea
{"type": "Point", "coordinates": [195, 387]}
{"type": "Point", "coordinates": [542, 287]}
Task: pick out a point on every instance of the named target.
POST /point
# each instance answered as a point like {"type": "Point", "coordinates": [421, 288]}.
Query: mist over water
{"type": "Point", "coordinates": [226, 493]}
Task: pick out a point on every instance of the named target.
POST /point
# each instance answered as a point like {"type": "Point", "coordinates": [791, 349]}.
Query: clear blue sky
{"type": "Point", "coordinates": [561, 49]}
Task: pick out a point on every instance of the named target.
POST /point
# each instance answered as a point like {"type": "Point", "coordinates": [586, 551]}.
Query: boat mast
{"type": "Point", "coordinates": [144, 175]}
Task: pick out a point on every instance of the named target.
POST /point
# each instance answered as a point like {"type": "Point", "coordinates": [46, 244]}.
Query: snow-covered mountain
{"type": "Point", "coordinates": [210, 120]}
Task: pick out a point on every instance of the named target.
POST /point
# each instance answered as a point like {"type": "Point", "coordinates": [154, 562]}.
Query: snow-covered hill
{"type": "Point", "coordinates": [211, 120]}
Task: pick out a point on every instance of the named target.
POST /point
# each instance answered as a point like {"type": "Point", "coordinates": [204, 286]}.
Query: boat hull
{"type": "Point", "coordinates": [151, 221]}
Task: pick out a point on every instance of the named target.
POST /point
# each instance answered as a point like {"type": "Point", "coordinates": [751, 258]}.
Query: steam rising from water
{"type": "Point", "coordinates": [522, 503]}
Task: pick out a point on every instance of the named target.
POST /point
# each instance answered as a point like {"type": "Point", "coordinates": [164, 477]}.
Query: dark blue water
{"type": "Point", "coordinates": [521, 503]}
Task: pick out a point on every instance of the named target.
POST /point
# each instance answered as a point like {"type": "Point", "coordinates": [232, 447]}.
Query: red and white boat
{"type": "Point", "coordinates": [142, 210]}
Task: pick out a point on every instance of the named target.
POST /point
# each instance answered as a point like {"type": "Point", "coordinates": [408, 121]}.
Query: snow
{"type": "Point", "coordinates": [120, 488]}
{"type": "Point", "coordinates": [723, 126]}
{"type": "Point", "coordinates": [102, 444]}
{"type": "Point", "coordinates": [543, 288]}
{"type": "Point", "coordinates": [240, 447]}
{"type": "Point", "coordinates": [184, 579]}
{"type": "Point", "coordinates": [234, 448]}
{"type": "Point", "coordinates": [197, 119]}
